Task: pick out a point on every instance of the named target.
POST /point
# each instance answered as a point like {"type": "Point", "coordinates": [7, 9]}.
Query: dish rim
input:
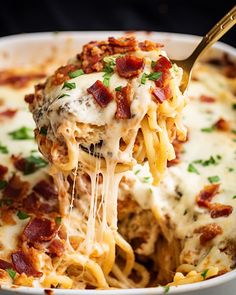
{"type": "Point", "coordinates": [193, 39]}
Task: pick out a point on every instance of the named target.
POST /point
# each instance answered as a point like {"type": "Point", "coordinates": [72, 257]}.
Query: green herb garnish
{"type": "Point", "coordinates": [166, 289]}
{"type": "Point", "coordinates": [137, 171]}
{"type": "Point", "coordinates": [233, 131]}
{"type": "Point", "coordinates": [22, 133]}
{"type": "Point", "coordinates": [234, 197]}
{"type": "Point", "coordinates": [3, 184]}
{"type": "Point", "coordinates": [43, 131]}
{"type": "Point", "coordinates": [204, 273]}
{"type": "Point", "coordinates": [154, 76]}
{"type": "Point", "coordinates": [63, 95]}
{"type": "Point", "coordinates": [214, 179]}
{"type": "Point", "coordinates": [11, 272]}
{"type": "Point", "coordinates": [234, 106]}
{"type": "Point", "coordinates": [22, 215]}
{"type": "Point", "coordinates": [33, 163]}
{"type": "Point", "coordinates": [146, 179]}
{"type": "Point", "coordinates": [208, 129]}
{"type": "Point", "coordinates": [3, 149]}
{"type": "Point", "coordinates": [192, 169]}
{"type": "Point", "coordinates": [144, 78]}
{"type": "Point", "coordinates": [119, 88]}
{"type": "Point", "coordinates": [76, 73]}
{"type": "Point", "coordinates": [69, 85]}
{"type": "Point", "coordinates": [153, 64]}
{"type": "Point", "coordinates": [58, 220]}
{"type": "Point", "coordinates": [230, 169]}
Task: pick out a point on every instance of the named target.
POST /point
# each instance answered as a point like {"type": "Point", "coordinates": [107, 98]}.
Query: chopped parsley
{"type": "Point", "coordinates": [22, 215]}
{"type": "Point", "coordinates": [152, 76]}
{"type": "Point", "coordinates": [106, 78]}
{"type": "Point", "coordinates": [153, 63]}
{"type": "Point", "coordinates": [234, 106]}
{"type": "Point", "coordinates": [119, 88]}
{"type": "Point", "coordinates": [233, 131]}
{"type": "Point", "coordinates": [63, 95]}
{"type": "Point", "coordinates": [211, 161]}
{"type": "Point", "coordinates": [43, 131]}
{"type": "Point", "coordinates": [192, 169]}
{"type": "Point", "coordinates": [3, 149]}
{"type": "Point", "coordinates": [234, 197]}
{"type": "Point", "coordinates": [204, 273]}
{"type": "Point", "coordinates": [11, 272]}
{"type": "Point", "coordinates": [3, 184]}
{"type": "Point", "coordinates": [23, 133]}
{"type": "Point", "coordinates": [166, 289]}
{"type": "Point", "coordinates": [58, 220]}
{"type": "Point", "coordinates": [146, 179]}
{"type": "Point", "coordinates": [214, 179]}
{"type": "Point", "coordinates": [234, 140]}
{"type": "Point", "coordinates": [137, 171]}
{"type": "Point", "coordinates": [33, 163]}
{"type": "Point", "coordinates": [230, 169]}
{"type": "Point", "coordinates": [208, 129]}
{"type": "Point", "coordinates": [69, 85]}
{"type": "Point", "coordinates": [76, 73]}
{"type": "Point", "coordinates": [110, 62]}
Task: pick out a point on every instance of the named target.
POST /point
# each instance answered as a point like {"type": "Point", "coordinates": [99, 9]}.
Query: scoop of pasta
{"type": "Point", "coordinates": [118, 100]}
{"type": "Point", "coordinates": [115, 104]}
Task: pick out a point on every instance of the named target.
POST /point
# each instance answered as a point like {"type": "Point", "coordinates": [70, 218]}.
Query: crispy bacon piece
{"type": "Point", "coordinates": [4, 264]}
{"type": "Point", "coordinates": [39, 230]}
{"type": "Point", "coordinates": [18, 80]}
{"type": "Point", "coordinates": [61, 74]}
{"type": "Point", "coordinates": [18, 162]}
{"type": "Point", "coordinates": [220, 210]}
{"type": "Point", "coordinates": [29, 98]}
{"type": "Point", "coordinates": [148, 45]}
{"type": "Point", "coordinates": [207, 99]}
{"type": "Point", "coordinates": [207, 194]}
{"type": "Point", "coordinates": [222, 125]}
{"type": "Point", "coordinates": [23, 264]}
{"type": "Point", "coordinates": [123, 44]}
{"type": "Point", "coordinates": [178, 147]}
{"type": "Point", "coordinates": [129, 66]}
{"type": "Point", "coordinates": [56, 248]}
{"type": "Point", "coordinates": [46, 190]}
{"type": "Point", "coordinates": [123, 103]}
{"type": "Point", "coordinates": [161, 94]}
{"type": "Point", "coordinates": [208, 232]}
{"type": "Point", "coordinates": [31, 203]}
{"type": "Point", "coordinates": [100, 93]}
{"type": "Point", "coordinates": [3, 171]}
{"type": "Point", "coordinates": [7, 216]}
{"type": "Point", "coordinates": [16, 188]}
{"type": "Point", "coordinates": [163, 65]}
{"type": "Point", "coordinates": [9, 113]}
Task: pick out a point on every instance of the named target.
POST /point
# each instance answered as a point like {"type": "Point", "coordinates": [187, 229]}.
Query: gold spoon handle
{"type": "Point", "coordinates": [227, 22]}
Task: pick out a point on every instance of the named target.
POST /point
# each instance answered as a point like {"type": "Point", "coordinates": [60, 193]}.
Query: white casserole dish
{"type": "Point", "coordinates": [52, 50]}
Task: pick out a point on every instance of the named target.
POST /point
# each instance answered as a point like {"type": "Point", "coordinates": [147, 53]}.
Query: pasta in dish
{"type": "Point", "coordinates": [108, 216]}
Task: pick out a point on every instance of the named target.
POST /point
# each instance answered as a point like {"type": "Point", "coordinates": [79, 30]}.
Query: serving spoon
{"type": "Point", "coordinates": [226, 23]}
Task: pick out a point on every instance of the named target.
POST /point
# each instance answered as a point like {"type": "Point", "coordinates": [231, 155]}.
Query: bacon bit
{"type": "Point", "coordinates": [129, 66]}
{"type": "Point", "coordinates": [123, 103]}
{"type": "Point", "coordinates": [123, 44]}
{"type": "Point", "coordinates": [18, 80]}
{"type": "Point", "coordinates": [31, 203]}
{"type": "Point", "coordinates": [16, 188]}
{"type": "Point", "coordinates": [46, 190]}
{"type": "Point", "coordinates": [39, 230]}
{"type": "Point", "coordinates": [61, 74]}
{"type": "Point", "coordinates": [178, 147]}
{"type": "Point", "coordinates": [22, 263]}
{"type": "Point", "coordinates": [9, 113]}
{"type": "Point", "coordinates": [29, 98]}
{"type": "Point", "coordinates": [18, 162]}
{"type": "Point", "coordinates": [208, 232]}
{"type": "Point", "coordinates": [148, 45]}
{"type": "Point", "coordinates": [7, 217]}
{"type": "Point", "coordinates": [220, 210]}
{"type": "Point", "coordinates": [162, 94]}
{"type": "Point", "coordinates": [206, 195]}
{"type": "Point", "coordinates": [3, 171]}
{"type": "Point", "coordinates": [4, 264]}
{"type": "Point", "coordinates": [56, 248]}
{"type": "Point", "coordinates": [163, 65]}
{"type": "Point", "coordinates": [207, 99]}
{"type": "Point", "coordinates": [100, 93]}
{"type": "Point", "coordinates": [222, 125]}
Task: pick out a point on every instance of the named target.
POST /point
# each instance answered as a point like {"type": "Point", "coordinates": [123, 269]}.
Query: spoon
{"type": "Point", "coordinates": [227, 22]}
